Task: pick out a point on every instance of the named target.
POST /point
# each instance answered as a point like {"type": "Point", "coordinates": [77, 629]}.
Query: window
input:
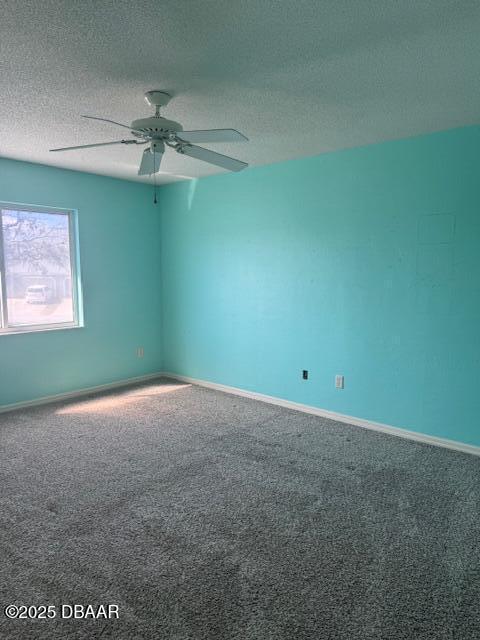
{"type": "Point", "coordinates": [39, 275]}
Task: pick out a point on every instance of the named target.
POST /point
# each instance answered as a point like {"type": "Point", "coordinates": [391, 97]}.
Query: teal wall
{"type": "Point", "coordinates": [119, 232]}
{"type": "Point", "coordinates": [364, 262]}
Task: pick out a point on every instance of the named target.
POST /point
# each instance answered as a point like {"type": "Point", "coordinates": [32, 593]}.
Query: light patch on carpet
{"type": "Point", "coordinates": [113, 402]}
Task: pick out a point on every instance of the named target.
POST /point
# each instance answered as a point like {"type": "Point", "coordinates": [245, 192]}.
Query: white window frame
{"type": "Point", "coordinates": [77, 300]}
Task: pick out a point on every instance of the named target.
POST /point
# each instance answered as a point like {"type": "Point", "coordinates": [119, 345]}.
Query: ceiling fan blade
{"type": "Point", "coordinates": [125, 126]}
{"type": "Point", "coordinates": [150, 163]}
{"type": "Point", "coordinates": [97, 144]}
{"type": "Point", "coordinates": [212, 157]}
{"type": "Point", "coordinates": [212, 135]}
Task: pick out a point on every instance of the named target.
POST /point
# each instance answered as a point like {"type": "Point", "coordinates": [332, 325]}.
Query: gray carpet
{"type": "Point", "coordinates": [206, 516]}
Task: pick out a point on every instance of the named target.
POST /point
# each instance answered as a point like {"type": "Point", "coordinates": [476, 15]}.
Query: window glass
{"type": "Point", "coordinates": [37, 262]}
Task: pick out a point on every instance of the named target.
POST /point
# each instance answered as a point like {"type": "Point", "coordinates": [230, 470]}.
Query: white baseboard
{"type": "Point", "coordinates": [332, 415]}
{"type": "Point", "coordinates": [78, 392]}
{"type": "Point", "coordinates": [288, 404]}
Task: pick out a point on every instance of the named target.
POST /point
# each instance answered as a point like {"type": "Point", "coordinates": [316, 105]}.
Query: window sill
{"type": "Point", "coordinates": [38, 329]}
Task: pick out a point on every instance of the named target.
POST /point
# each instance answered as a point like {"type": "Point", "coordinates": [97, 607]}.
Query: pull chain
{"type": "Point", "coordinates": [154, 176]}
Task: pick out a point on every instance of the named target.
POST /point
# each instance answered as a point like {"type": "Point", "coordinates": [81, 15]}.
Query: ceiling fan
{"type": "Point", "coordinates": [158, 132]}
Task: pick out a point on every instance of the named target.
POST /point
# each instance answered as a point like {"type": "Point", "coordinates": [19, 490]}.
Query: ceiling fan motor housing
{"type": "Point", "coordinates": [156, 126]}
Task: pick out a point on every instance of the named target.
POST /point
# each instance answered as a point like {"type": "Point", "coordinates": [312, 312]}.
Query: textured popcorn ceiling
{"type": "Point", "coordinates": [298, 78]}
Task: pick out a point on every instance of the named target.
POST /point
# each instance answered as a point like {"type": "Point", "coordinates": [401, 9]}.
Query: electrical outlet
{"type": "Point", "coordinates": [339, 382]}
{"type": "Point", "coordinates": [305, 374]}
{"type": "Point", "coordinates": [140, 352]}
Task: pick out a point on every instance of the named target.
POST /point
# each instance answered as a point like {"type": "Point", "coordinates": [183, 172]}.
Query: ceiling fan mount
{"type": "Point", "coordinates": [157, 98]}
{"type": "Point", "coordinates": [158, 132]}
